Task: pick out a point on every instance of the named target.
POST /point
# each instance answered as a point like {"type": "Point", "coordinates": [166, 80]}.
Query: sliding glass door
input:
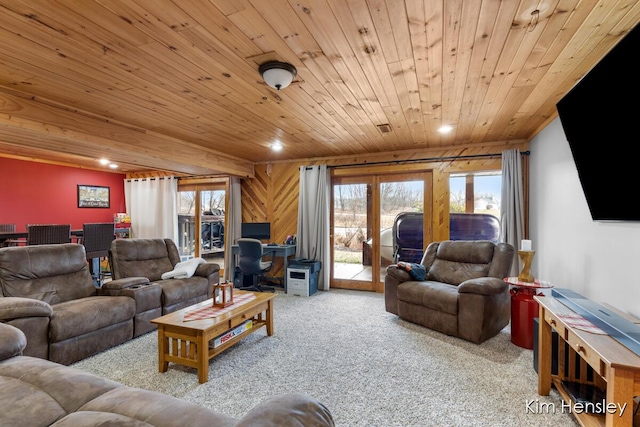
{"type": "Point", "coordinates": [364, 208]}
{"type": "Point", "coordinates": [351, 233]}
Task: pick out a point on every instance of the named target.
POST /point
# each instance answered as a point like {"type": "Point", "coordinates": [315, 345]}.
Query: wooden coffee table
{"type": "Point", "coordinates": [188, 343]}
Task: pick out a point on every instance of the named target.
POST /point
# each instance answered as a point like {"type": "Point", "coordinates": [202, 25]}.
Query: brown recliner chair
{"type": "Point", "coordinates": [463, 293]}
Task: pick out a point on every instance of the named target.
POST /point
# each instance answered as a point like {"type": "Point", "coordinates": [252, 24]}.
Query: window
{"type": "Point", "coordinates": [475, 206]}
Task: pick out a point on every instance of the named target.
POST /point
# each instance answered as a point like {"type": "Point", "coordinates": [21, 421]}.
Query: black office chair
{"type": "Point", "coordinates": [96, 238]}
{"type": "Point", "coordinates": [250, 262]}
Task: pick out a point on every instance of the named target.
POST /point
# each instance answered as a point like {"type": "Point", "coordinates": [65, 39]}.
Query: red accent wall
{"type": "Point", "coordinates": [40, 193]}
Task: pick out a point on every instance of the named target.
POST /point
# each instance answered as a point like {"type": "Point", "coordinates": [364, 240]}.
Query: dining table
{"type": "Point", "coordinates": [76, 235]}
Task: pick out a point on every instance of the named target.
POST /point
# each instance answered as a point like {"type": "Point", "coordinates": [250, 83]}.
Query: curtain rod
{"type": "Point", "coordinates": [151, 178]}
{"type": "Point", "coordinates": [426, 159]}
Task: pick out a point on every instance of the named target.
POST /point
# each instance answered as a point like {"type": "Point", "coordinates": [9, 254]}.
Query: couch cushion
{"type": "Point", "coordinates": [435, 295]}
{"type": "Point", "coordinates": [156, 408]}
{"type": "Point", "coordinates": [26, 405]}
{"type": "Point", "coordinates": [94, 418]}
{"type": "Point", "coordinates": [79, 317]}
{"type": "Point", "coordinates": [457, 261]}
{"type": "Point", "coordinates": [175, 291]}
{"type": "Point", "coordinates": [50, 273]}
{"type": "Point", "coordinates": [140, 257]}
{"type": "Point", "coordinates": [38, 392]}
{"type": "Point", "coordinates": [292, 410]}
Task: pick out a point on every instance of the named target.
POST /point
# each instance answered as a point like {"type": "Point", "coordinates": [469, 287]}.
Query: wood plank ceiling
{"type": "Point", "coordinates": [173, 85]}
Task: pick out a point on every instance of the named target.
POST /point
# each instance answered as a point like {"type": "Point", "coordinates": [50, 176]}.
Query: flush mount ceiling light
{"type": "Point", "coordinates": [445, 129]}
{"type": "Point", "coordinates": [277, 74]}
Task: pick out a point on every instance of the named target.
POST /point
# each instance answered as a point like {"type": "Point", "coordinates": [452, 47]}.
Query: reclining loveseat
{"type": "Point", "coordinates": [47, 292]}
{"type": "Point", "coordinates": [463, 293]}
{"type": "Point", "coordinates": [36, 392]}
{"type": "Point", "coordinates": [146, 260]}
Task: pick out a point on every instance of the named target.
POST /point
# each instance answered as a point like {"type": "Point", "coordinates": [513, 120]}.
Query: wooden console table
{"type": "Point", "coordinates": [615, 367]}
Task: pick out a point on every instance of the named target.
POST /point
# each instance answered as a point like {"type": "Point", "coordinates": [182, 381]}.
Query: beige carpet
{"type": "Point", "coordinates": [366, 365]}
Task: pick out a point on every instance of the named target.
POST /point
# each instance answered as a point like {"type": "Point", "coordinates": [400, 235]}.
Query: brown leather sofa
{"type": "Point", "coordinates": [47, 292]}
{"type": "Point", "coordinates": [150, 258]}
{"type": "Point", "coordinates": [463, 294]}
{"type": "Point", "coordinates": [36, 392]}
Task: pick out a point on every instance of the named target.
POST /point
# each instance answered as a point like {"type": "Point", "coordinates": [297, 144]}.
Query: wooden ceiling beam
{"type": "Point", "coordinates": [28, 122]}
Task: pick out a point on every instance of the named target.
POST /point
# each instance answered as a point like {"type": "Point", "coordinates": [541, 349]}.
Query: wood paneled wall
{"type": "Point", "coordinates": [272, 195]}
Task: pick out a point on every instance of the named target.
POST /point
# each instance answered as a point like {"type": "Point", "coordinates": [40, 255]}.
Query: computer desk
{"type": "Point", "coordinates": [282, 251]}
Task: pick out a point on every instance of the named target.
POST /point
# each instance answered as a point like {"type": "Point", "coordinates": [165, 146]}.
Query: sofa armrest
{"type": "Point", "coordinates": [483, 285]}
{"type": "Point", "coordinates": [13, 341]}
{"type": "Point", "coordinates": [207, 269]}
{"type": "Point", "coordinates": [398, 275]}
{"type": "Point", "coordinates": [288, 410]}
{"type": "Point", "coordinates": [124, 283]}
{"type": "Point", "coordinates": [18, 307]}
{"type": "Point", "coordinates": [394, 277]}
{"type": "Point", "coordinates": [148, 296]}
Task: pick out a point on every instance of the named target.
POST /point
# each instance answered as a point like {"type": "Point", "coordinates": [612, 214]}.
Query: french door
{"type": "Point", "coordinates": [364, 207]}
{"type": "Point", "coordinates": [201, 220]}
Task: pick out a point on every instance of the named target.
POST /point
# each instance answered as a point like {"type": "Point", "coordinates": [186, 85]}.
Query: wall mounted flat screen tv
{"type": "Point", "coordinates": [256, 230]}
{"type": "Point", "coordinates": [601, 120]}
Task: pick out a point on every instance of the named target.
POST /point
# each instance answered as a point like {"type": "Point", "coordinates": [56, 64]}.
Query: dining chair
{"type": "Point", "coordinates": [97, 238]}
{"type": "Point", "coordinates": [48, 234]}
{"type": "Point", "coordinates": [9, 228]}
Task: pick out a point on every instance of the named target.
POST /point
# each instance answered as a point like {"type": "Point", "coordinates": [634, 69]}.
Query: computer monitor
{"type": "Point", "coordinates": [256, 230]}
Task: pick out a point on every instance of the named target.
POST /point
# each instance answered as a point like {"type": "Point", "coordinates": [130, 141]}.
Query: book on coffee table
{"type": "Point", "coordinates": [221, 339]}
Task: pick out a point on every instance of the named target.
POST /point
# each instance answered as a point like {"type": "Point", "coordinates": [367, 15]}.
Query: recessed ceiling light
{"type": "Point", "coordinates": [113, 166]}
{"type": "Point", "coordinates": [445, 128]}
{"type": "Point", "coordinates": [277, 146]}
{"type": "Point", "coordinates": [104, 161]}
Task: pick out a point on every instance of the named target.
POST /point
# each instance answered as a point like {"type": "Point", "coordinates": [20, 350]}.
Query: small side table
{"type": "Point", "coordinates": [524, 309]}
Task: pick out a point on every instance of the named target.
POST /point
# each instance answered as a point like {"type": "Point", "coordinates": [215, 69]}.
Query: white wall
{"type": "Point", "coordinates": [599, 260]}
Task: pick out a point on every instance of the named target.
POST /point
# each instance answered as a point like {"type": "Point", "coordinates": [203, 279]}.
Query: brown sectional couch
{"type": "Point", "coordinates": [47, 292]}
{"type": "Point", "coordinates": [463, 293]}
{"type": "Point", "coordinates": [36, 392]}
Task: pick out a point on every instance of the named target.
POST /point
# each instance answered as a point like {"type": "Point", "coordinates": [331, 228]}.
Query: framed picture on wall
{"type": "Point", "coordinates": [93, 196]}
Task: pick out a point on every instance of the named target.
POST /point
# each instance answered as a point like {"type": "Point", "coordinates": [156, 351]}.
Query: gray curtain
{"type": "Point", "coordinates": [512, 204]}
{"type": "Point", "coordinates": [313, 219]}
{"type": "Point", "coordinates": [232, 223]}
{"type": "Point", "coordinates": [152, 204]}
